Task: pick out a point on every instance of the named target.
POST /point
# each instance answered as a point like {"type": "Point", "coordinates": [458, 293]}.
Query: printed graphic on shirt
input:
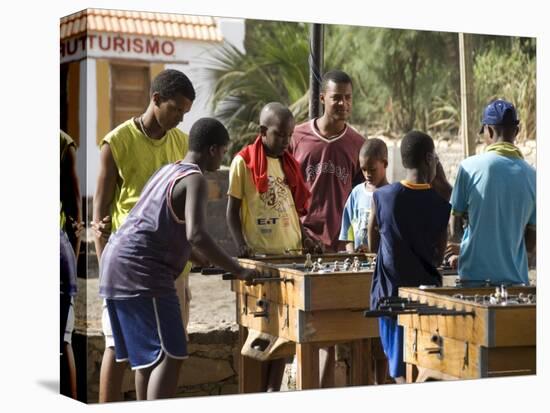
{"type": "Point", "coordinates": [276, 196]}
{"type": "Point", "coordinates": [360, 224]}
{"type": "Point", "coordinates": [276, 204]}
{"type": "Point", "coordinates": [328, 167]}
{"type": "Point", "coordinates": [342, 173]}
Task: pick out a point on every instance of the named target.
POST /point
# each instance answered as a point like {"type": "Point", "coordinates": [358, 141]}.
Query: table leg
{"type": "Point", "coordinates": [411, 373]}
{"type": "Point", "coordinates": [307, 375]}
{"type": "Point", "coordinates": [251, 372]}
{"type": "Point", "coordinates": [362, 366]}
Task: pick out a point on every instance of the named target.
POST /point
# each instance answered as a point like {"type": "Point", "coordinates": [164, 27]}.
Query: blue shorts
{"type": "Point", "coordinates": [146, 327]}
{"type": "Point", "coordinates": [391, 336]}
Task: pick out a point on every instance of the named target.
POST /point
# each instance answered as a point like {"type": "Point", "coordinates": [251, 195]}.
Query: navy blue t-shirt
{"type": "Point", "coordinates": [411, 220]}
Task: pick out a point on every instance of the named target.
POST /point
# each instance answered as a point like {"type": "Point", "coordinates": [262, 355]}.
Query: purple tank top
{"type": "Point", "coordinates": [150, 249]}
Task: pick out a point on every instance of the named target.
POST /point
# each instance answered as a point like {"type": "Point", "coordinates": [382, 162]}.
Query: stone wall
{"type": "Point", "coordinates": [211, 368]}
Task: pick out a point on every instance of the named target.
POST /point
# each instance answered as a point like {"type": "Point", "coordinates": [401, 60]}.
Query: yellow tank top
{"type": "Point", "coordinates": [137, 157]}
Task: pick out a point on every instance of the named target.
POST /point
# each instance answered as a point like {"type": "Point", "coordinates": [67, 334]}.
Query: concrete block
{"type": "Point", "coordinates": [198, 370]}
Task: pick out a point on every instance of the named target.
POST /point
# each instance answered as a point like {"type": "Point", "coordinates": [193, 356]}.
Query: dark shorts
{"type": "Point", "coordinates": [391, 336]}
{"type": "Point", "coordinates": [145, 328]}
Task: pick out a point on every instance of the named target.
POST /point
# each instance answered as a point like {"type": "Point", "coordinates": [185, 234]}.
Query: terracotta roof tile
{"type": "Point", "coordinates": [131, 25]}
{"type": "Point", "coordinates": [176, 26]}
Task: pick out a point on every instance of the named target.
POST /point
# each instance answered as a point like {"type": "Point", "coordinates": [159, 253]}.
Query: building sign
{"type": "Point", "coordinates": [112, 45]}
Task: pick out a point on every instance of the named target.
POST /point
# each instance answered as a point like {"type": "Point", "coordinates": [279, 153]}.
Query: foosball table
{"type": "Point", "coordinates": [466, 332]}
{"type": "Point", "coordinates": [300, 304]}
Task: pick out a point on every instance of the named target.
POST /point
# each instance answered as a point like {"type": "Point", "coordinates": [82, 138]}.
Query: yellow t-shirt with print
{"type": "Point", "coordinates": [270, 222]}
{"type": "Point", "coordinates": [137, 158]}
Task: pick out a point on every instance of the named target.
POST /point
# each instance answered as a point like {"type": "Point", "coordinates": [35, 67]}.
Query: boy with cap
{"type": "Point", "coordinates": [494, 197]}
{"type": "Point", "coordinates": [408, 231]}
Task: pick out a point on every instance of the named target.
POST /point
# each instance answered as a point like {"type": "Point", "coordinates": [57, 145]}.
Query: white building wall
{"type": "Point", "coordinates": [233, 31]}
{"type": "Point", "coordinates": [92, 151]}
{"type": "Point", "coordinates": [81, 151]}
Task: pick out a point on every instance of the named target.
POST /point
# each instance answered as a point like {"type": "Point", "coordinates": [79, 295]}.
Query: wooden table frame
{"type": "Point", "coordinates": [319, 311]}
{"type": "Point", "coordinates": [497, 341]}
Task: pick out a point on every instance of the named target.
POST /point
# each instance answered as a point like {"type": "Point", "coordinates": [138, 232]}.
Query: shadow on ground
{"type": "Point", "coordinates": [52, 385]}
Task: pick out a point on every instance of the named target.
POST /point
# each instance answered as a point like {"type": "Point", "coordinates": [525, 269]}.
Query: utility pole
{"type": "Point", "coordinates": [469, 125]}
{"type": "Point", "coordinates": [316, 40]}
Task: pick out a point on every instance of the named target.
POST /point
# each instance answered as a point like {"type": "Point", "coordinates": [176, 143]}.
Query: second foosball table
{"type": "Point", "coordinates": [462, 333]}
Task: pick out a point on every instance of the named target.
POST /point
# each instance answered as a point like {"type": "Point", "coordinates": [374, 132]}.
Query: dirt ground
{"type": "Point", "coordinates": [212, 304]}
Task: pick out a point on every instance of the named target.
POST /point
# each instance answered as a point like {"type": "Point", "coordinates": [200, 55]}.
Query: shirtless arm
{"type": "Point", "coordinates": [310, 244]}
{"type": "Point", "coordinates": [440, 183]}
{"type": "Point", "coordinates": [104, 196]}
{"type": "Point", "coordinates": [189, 198]}
{"type": "Point", "coordinates": [456, 227]}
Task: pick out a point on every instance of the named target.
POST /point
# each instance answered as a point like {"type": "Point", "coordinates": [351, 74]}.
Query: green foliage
{"type": "Point", "coordinates": [401, 67]}
{"type": "Point", "coordinates": [275, 68]}
{"type": "Point", "coordinates": [510, 74]}
{"type": "Point", "coordinates": [445, 116]}
{"type": "Point", "coordinates": [402, 79]}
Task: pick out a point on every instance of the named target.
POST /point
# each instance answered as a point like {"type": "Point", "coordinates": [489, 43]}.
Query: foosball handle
{"type": "Point", "coordinates": [228, 276]}
{"type": "Point", "coordinates": [212, 271]}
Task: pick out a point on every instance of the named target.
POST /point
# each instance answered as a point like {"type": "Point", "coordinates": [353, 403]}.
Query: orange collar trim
{"type": "Point", "coordinates": [411, 185]}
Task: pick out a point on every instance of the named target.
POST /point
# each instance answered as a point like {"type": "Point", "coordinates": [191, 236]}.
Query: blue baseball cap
{"type": "Point", "coordinates": [499, 112]}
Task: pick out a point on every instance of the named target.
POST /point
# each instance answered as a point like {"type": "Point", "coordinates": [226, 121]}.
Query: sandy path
{"type": "Point", "coordinates": [212, 304]}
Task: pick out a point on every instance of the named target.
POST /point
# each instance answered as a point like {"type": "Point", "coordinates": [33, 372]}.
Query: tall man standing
{"type": "Point", "coordinates": [327, 149]}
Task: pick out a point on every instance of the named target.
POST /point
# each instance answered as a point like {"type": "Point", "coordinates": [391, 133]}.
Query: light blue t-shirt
{"type": "Point", "coordinates": [498, 194]}
{"type": "Point", "coordinates": [355, 217]}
